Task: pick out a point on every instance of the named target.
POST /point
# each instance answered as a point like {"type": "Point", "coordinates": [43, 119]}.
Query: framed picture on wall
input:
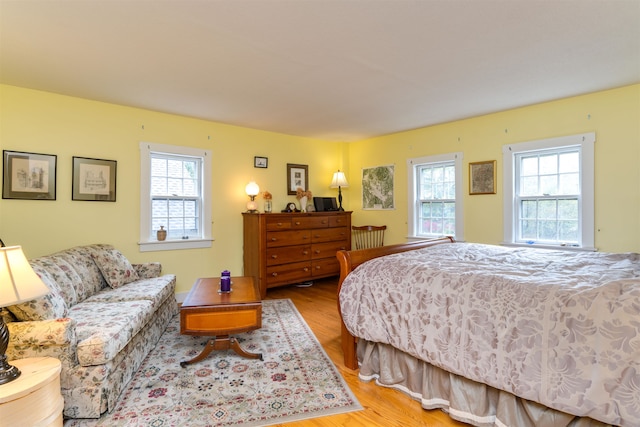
{"type": "Point", "coordinates": [29, 176]}
{"type": "Point", "coordinates": [260, 162]}
{"type": "Point", "coordinates": [94, 180]}
{"type": "Point", "coordinates": [297, 177]}
{"type": "Point", "coordinates": [482, 177]}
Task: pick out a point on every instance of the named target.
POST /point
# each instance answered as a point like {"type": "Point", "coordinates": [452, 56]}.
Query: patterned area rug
{"type": "Point", "coordinates": [296, 380]}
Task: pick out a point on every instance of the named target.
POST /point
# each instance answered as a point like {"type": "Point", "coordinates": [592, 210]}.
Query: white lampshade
{"type": "Point", "coordinates": [252, 189]}
{"type": "Point", "coordinates": [339, 180]}
{"type": "Point", "coordinates": [18, 281]}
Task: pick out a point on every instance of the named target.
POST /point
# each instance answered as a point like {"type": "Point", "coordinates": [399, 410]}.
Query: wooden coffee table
{"type": "Point", "coordinates": [207, 312]}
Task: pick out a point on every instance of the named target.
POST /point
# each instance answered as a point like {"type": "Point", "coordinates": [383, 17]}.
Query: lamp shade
{"type": "Point", "coordinates": [18, 281]}
{"type": "Point", "coordinates": [252, 189]}
{"type": "Point", "coordinates": [339, 180]}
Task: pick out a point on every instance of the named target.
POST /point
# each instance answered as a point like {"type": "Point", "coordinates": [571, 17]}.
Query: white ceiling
{"type": "Point", "coordinates": [330, 69]}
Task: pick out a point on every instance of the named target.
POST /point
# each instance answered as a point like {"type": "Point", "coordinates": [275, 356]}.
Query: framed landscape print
{"type": "Point", "coordinates": [28, 176]}
{"type": "Point", "coordinates": [297, 177]}
{"type": "Point", "coordinates": [94, 180]}
{"type": "Point", "coordinates": [482, 177]}
{"type": "Point", "coordinates": [377, 188]}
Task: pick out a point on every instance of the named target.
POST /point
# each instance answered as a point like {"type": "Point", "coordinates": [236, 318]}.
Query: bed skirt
{"type": "Point", "coordinates": [464, 400]}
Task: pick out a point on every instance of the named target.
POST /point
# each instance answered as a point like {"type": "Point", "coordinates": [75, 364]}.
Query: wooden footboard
{"type": "Point", "coordinates": [349, 260]}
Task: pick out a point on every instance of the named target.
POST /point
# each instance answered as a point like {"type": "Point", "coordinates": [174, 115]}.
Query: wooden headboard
{"type": "Point", "coordinates": [349, 260]}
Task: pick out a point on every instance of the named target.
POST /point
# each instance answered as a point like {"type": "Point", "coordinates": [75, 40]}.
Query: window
{"type": "Point", "coordinates": [549, 192]}
{"type": "Point", "coordinates": [435, 196]}
{"type": "Point", "coordinates": [175, 185]}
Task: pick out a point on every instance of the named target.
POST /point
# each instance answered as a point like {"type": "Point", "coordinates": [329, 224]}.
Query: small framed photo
{"type": "Point", "coordinates": [94, 180]}
{"type": "Point", "coordinates": [482, 177]}
{"type": "Point", "coordinates": [260, 162]}
{"type": "Point", "coordinates": [29, 176]}
{"type": "Point", "coordinates": [297, 177]}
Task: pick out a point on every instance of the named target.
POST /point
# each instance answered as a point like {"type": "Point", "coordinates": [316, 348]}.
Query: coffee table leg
{"type": "Point", "coordinates": [223, 342]}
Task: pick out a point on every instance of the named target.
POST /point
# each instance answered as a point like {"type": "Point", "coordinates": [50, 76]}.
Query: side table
{"type": "Point", "coordinates": [34, 398]}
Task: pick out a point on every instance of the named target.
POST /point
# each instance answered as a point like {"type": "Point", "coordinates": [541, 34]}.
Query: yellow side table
{"type": "Point", "coordinates": [34, 398]}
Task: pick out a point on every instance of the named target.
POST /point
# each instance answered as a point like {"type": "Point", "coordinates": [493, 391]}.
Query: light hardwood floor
{"type": "Point", "coordinates": [382, 406]}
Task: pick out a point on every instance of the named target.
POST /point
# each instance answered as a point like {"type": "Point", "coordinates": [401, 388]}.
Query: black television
{"type": "Point", "coordinates": [325, 204]}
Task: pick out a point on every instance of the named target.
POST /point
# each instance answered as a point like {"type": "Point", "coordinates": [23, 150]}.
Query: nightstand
{"type": "Point", "coordinates": [34, 398]}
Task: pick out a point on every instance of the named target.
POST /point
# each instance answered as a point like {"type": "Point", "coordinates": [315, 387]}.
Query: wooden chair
{"type": "Point", "coordinates": [368, 236]}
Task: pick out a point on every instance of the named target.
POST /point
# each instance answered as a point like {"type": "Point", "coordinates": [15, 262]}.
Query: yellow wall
{"type": "Point", "coordinates": [614, 116]}
{"type": "Point", "coordinates": [41, 122]}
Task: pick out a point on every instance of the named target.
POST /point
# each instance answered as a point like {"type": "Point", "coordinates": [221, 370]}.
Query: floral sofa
{"type": "Point", "coordinates": [101, 319]}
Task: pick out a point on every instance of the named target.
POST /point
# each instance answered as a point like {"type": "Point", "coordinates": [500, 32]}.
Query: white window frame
{"type": "Point", "coordinates": [413, 206]}
{"type": "Point", "coordinates": [586, 142]}
{"type": "Point", "coordinates": [147, 242]}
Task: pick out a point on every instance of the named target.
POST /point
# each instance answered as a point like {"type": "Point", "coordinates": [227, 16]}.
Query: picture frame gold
{"type": "Point", "coordinates": [30, 176]}
{"type": "Point", "coordinates": [482, 177]}
{"type": "Point", "coordinates": [94, 180]}
{"type": "Point", "coordinates": [297, 177]}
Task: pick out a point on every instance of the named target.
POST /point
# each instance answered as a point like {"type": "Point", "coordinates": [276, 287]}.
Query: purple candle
{"type": "Point", "coordinates": [225, 281]}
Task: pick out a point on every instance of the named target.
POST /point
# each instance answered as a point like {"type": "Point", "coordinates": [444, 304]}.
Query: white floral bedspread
{"type": "Point", "coordinates": [557, 327]}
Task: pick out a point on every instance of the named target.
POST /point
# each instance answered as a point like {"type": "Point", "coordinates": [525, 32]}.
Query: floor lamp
{"type": "Point", "coordinates": [339, 181]}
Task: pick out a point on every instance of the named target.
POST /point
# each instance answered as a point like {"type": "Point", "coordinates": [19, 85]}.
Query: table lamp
{"type": "Point", "coordinates": [18, 283]}
{"type": "Point", "coordinates": [339, 181]}
{"type": "Point", "coordinates": [252, 189]}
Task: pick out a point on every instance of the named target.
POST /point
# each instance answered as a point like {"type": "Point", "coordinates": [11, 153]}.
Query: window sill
{"type": "Point", "coordinates": [172, 245]}
{"type": "Point", "coordinates": [542, 246]}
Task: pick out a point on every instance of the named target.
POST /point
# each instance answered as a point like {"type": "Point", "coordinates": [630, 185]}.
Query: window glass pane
{"type": "Point", "coordinates": [547, 230]}
{"type": "Point", "coordinates": [569, 183]}
{"type": "Point", "coordinates": [569, 162]}
{"type": "Point", "coordinates": [548, 164]}
{"type": "Point", "coordinates": [437, 191]}
{"type": "Point", "coordinates": [549, 184]}
{"type": "Point", "coordinates": [529, 186]}
{"type": "Point", "coordinates": [529, 166]}
{"type": "Point", "coordinates": [547, 209]}
{"type": "Point", "coordinates": [529, 209]}
{"type": "Point", "coordinates": [568, 209]}
{"type": "Point", "coordinates": [174, 168]}
{"type": "Point", "coordinates": [568, 231]}
{"type": "Point", "coordinates": [158, 186]}
{"type": "Point", "coordinates": [529, 230]}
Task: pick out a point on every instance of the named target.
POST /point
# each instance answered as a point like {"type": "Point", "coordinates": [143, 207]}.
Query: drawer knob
{"type": "Point", "coordinates": [305, 252]}
{"type": "Point", "coordinates": [279, 224]}
{"type": "Point", "coordinates": [273, 239]}
{"type": "Point", "coordinates": [306, 269]}
{"type": "Point", "coordinates": [317, 251]}
{"type": "Point", "coordinates": [317, 267]}
{"type": "Point", "coordinates": [305, 237]}
{"type": "Point", "coordinates": [274, 274]}
{"type": "Point", "coordinates": [297, 222]}
{"type": "Point", "coordinates": [274, 256]}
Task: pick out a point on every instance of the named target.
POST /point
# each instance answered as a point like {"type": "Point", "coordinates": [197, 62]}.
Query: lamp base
{"type": "Point", "coordinates": [8, 372]}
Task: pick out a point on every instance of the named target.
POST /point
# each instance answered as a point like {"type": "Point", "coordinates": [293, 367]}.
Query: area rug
{"type": "Point", "coordinates": [296, 379]}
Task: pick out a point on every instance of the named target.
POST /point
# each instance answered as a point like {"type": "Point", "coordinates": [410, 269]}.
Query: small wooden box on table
{"type": "Point", "coordinates": [208, 312]}
{"type": "Point", "coordinates": [287, 248]}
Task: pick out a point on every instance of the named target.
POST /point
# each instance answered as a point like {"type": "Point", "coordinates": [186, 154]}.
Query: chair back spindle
{"type": "Point", "coordinates": [368, 236]}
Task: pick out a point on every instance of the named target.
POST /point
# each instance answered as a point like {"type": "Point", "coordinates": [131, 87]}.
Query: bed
{"type": "Point", "coordinates": [496, 335]}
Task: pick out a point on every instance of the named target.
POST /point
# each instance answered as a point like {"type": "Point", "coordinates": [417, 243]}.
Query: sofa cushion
{"type": "Point", "coordinates": [54, 276]}
{"type": "Point", "coordinates": [156, 290]}
{"type": "Point", "coordinates": [115, 267]}
{"type": "Point", "coordinates": [105, 328]}
{"type": "Point", "coordinates": [50, 306]}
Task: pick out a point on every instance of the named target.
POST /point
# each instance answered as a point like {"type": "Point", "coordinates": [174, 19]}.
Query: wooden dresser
{"type": "Point", "coordinates": [286, 248]}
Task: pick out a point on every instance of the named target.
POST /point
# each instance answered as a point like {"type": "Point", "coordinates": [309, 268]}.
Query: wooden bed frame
{"type": "Point", "coordinates": [349, 260]}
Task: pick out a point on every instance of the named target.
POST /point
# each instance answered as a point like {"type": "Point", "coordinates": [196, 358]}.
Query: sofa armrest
{"type": "Point", "coordinates": [148, 270]}
{"type": "Point", "coordinates": [53, 338]}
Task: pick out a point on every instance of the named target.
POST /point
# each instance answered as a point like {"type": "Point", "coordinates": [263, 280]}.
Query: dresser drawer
{"type": "Point", "coordinates": [276, 223]}
{"type": "Point", "coordinates": [288, 273]}
{"type": "Point", "coordinates": [287, 254]}
{"type": "Point", "coordinates": [320, 235]}
{"type": "Point", "coordinates": [325, 267]}
{"type": "Point", "coordinates": [339, 221]}
{"type": "Point", "coordinates": [310, 222]}
{"type": "Point", "coordinates": [327, 250]}
{"type": "Point", "coordinates": [288, 238]}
